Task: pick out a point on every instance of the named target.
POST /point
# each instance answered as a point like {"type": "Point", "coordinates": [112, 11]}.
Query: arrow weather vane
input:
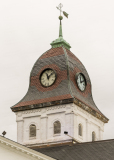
{"type": "Point", "coordinates": [60, 8]}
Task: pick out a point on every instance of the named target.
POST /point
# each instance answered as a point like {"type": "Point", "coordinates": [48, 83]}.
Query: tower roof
{"type": "Point", "coordinates": [64, 90]}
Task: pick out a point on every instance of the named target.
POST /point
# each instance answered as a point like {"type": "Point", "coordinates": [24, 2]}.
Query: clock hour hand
{"type": "Point", "coordinates": [47, 76]}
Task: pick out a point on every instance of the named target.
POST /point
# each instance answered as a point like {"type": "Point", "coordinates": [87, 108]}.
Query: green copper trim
{"type": "Point", "coordinates": [60, 30]}
{"type": "Point", "coordinates": [60, 42]}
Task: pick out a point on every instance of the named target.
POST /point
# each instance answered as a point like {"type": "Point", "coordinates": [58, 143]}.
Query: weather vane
{"type": "Point", "coordinates": [60, 8]}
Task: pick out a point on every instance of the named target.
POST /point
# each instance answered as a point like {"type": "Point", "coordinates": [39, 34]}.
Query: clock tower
{"type": "Point", "coordinates": [59, 99]}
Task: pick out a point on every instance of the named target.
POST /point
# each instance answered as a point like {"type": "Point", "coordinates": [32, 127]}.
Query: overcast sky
{"type": "Point", "coordinates": [27, 27]}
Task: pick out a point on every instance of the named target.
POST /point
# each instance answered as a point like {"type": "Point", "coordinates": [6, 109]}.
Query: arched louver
{"type": "Point", "coordinates": [93, 136]}
{"type": "Point", "coordinates": [32, 130]}
{"type": "Point", "coordinates": [57, 127]}
{"type": "Point", "coordinates": [80, 130]}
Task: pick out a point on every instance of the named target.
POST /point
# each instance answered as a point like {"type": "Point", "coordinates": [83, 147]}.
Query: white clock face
{"type": "Point", "coordinates": [47, 77]}
{"type": "Point", "coordinates": [81, 81]}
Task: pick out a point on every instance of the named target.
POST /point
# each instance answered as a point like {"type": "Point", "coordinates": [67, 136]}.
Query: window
{"type": "Point", "coordinates": [57, 127]}
{"type": "Point", "coordinates": [80, 130]}
{"type": "Point", "coordinates": [93, 136]}
{"type": "Point", "coordinates": [32, 130]}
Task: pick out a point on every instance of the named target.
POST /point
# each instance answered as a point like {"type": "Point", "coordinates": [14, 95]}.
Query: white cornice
{"type": "Point", "coordinates": [20, 148]}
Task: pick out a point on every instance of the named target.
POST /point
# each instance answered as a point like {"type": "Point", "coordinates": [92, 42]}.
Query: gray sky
{"type": "Point", "coordinates": [27, 27]}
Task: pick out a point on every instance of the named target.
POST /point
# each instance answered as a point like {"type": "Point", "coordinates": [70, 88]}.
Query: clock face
{"type": "Point", "coordinates": [48, 77]}
{"type": "Point", "coordinates": [81, 81]}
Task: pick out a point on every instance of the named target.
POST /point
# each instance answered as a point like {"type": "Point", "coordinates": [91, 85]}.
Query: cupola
{"type": "Point", "coordinates": [59, 99]}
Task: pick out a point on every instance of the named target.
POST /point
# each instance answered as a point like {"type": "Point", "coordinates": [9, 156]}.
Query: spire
{"type": "Point", "coordinates": [60, 42]}
{"type": "Point", "coordinates": [60, 28]}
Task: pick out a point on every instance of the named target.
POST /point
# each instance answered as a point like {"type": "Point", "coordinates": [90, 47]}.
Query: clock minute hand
{"type": "Point", "coordinates": [81, 81]}
{"type": "Point", "coordinates": [50, 74]}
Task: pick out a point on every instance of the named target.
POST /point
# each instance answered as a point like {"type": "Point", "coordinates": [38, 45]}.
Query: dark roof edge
{"type": "Point", "coordinates": [91, 110]}
{"type": "Point", "coordinates": [42, 105]}
{"type": "Point", "coordinates": [60, 102]}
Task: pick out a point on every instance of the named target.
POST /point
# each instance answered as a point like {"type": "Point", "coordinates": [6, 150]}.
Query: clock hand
{"type": "Point", "coordinates": [50, 74]}
{"type": "Point", "coordinates": [81, 81]}
{"type": "Point", "coordinates": [47, 76]}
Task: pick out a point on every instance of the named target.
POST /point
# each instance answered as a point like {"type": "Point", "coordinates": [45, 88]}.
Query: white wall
{"type": "Point", "coordinates": [89, 124]}
{"type": "Point", "coordinates": [9, 154]}
{"type": "Point", "coordinates": [69, 115]}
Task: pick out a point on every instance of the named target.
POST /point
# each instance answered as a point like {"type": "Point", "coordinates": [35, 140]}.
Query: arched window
{"type": "Point", "coordinates": [80, 130]}
{"type": "Point", "coordinates": [32, 130]}
{"type": "Point", "coordinates": [57, 127]}
{"type": "Point", "coordinates": [93, 136]}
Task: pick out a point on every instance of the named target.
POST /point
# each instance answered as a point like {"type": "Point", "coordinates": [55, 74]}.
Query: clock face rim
{"type": "Point", "coordinates": [43, 72]}
{"type": "Point", "coordinates": [76, 77]}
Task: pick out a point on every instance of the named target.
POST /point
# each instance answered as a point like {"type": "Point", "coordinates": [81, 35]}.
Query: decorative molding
{"type": "Point", "coordinates": [91, 111]}
{"type": "Point", "coordinates": [56, 104]}
{"type": "Point", "coordinates": [40, 110]}
{"type": "Point", "coordinates": [31, 111]}
{"type": "Point", "coordinates": [42, 105]}
{"type": "Point", "coordinates": [90, 116]}
{"type": "Point", "coordinates": [23, 149]}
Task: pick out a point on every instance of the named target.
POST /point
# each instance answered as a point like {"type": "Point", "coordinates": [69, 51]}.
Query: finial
{"type": "Point", "coordinates": [60, 42]}
{"type": "Point", "coordinates": [64, 13]}
{"type": "Point", "coordinates": [60, 18]}
{"type": "Point", "coordinates": [60, 8]}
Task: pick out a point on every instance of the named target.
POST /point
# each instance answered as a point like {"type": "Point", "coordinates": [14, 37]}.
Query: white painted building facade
{"type": "Point", "coordinates": [70, 117]}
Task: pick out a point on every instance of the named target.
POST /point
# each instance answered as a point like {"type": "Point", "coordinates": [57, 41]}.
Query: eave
{"type": "Point", "coordinates": [85, 107]}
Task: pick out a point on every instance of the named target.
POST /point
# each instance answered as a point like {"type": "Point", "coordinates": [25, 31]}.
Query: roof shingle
{"type": "Point", "coordinates": [99, 150]}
